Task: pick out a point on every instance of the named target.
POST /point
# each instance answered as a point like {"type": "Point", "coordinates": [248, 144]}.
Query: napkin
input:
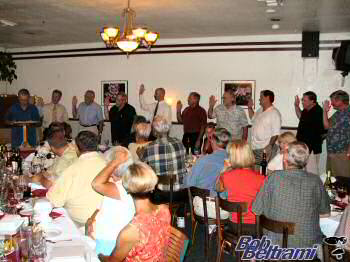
{"type": "Point", "coordinates": [39, 193]}
{"type": "Point", "coordinates": [54, 215]}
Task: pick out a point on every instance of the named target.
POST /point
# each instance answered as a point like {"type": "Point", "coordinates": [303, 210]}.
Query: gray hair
{"type": "Point", "coordinates": [110, 155]}
{"type": "Point", "coordinates": [143, 130]}
{"type": "Point", "coordinates": [298, 154]}
{"type": "Point", "coordinates": [161, 125]}
{"type": "Point", "coordinates": [340, 95]}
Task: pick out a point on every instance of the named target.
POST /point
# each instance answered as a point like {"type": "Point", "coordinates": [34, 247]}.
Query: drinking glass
{"type": "Point", "coordinates": [341, 192]}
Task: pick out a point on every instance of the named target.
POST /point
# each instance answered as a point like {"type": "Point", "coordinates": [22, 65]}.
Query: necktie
{"type": "Point", "coordinates": [155, 110]}
{"type": "Point", "coordinates": [54, 113]}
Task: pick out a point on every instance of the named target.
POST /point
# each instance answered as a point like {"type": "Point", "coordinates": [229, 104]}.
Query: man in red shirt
{"type": "Point", "coordinates": [194, 120]}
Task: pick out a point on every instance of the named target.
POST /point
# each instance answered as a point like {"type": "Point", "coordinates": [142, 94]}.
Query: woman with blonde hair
{"type": "Point", "coordinates": [277, 162]}
{"type": "Point", "coordinates": [146, 236]}
{"type": "Point", "coordinates": [241, 182]}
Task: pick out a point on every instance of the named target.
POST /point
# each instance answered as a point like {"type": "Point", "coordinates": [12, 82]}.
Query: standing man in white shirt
{"type": "Point", "coordinates": [159, 108]}
{"type": "Point", "coordinates": [266, 126]}
{"type": "Point", "coordinates": [54, 112]}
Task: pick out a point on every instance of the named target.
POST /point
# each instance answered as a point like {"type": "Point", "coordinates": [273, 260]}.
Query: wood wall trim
{"type": "Point", "coordinates": [172, 49]}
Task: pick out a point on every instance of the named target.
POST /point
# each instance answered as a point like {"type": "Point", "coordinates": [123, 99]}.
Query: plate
{"type": "Point", "coordinates": [52, 233]}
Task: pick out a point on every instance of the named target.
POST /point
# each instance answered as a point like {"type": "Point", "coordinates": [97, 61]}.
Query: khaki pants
{"type": "Point", "coordinates": [313, 164]}
{"type": "Point", "coordinates": [338, 164]}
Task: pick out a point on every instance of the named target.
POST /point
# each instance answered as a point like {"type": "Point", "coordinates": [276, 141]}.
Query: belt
{"type": "Point", "coordinates": [87, 125]}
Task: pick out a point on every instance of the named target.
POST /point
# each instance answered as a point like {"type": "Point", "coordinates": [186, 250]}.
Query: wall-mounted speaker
{"type": "Point", "coordinates": [310, 44]}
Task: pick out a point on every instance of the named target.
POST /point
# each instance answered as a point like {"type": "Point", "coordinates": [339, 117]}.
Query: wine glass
{"type": "Point", "coordinates": [341, 192]}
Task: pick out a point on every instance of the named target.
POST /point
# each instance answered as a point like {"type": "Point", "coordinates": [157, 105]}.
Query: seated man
{"type": "Point", "coordinates": [294, 195]}
{"type": "Point", "coordinates": [72, 189]}
{"type": "Point", "coordinates": [165, 155]}
{"type": "Point", "coordinates": [207, 169]}
{"type": "Point", "coordinates": [66, 156]}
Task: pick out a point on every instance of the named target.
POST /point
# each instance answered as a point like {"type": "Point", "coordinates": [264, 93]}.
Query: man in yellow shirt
{"type": "Point", "coordinates": [72, 189]}
{"type": "Point", "coordinates": [65, 152]}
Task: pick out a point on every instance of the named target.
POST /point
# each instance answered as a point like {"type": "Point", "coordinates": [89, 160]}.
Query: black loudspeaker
{"type": "Point", "coordinates": [310, 44]}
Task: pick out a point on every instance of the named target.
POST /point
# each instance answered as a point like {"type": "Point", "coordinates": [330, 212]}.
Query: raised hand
{"type": "Point", "coordinates": [212, 101]}
{"type": "Point", "coordinates": [178, 106]}
{"type": "Point", "coordinates": [326, 106]}
{"type": "Point", "coordinates": [141, 89]}
{"type": "Point", "coordinates": [74, 101]}
{"type": "Point", "coordinates": [297, 101]}
{"type": "Point", "coordinates": [250, 103]}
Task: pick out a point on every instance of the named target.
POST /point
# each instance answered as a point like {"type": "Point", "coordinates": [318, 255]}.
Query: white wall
{"type": "Point", "coordinates": [284, 72]}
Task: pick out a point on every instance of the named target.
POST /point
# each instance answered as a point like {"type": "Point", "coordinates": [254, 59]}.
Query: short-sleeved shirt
{"type": "Point", "coordinates": [265, 124]}
{"type": "Point", "coordinates": [63, 162]}
{"type": "Point", "coordinates": [243, 192]}
{"type": "Point", "coordinates": [193, 118]}
{"type": "Point", "coordinates": [73, 189]}
{"type": "Point", "coordinates": [16, 113]}
{"type": "Point", "coordinates": [310, 128]}
{"type": "Point", "coordinates": [338, 137]}
{"type": "Point", "coordinates": [206, 171]}
{"type": "Point", "coordinates": [298, 197]}
{"type": "Point", "coordinates": [89, 115]}
{"type": "Point", "coordinates": [166, 156]}
{"type": "Point", "coordinates": [233, 119]}
{"type": "Point", "coordinates": [121, 123]}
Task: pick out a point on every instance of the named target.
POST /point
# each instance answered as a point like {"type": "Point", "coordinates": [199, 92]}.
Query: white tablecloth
{"type": "Point", "coordinates": [330, 224]}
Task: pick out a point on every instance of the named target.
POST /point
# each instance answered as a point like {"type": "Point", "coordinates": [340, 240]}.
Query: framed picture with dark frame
{"type": "Point", "coordinates": [243, 89]}
{"type": "Point", "coordinates": [111, 88]}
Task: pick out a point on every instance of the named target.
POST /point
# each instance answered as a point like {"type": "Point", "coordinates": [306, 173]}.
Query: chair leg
{"type": "Point", "coordinates": [218, 256]}
{"type": "Point", "coordinates": [194, 227]}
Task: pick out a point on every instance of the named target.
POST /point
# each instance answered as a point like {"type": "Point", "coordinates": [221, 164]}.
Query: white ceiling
{"type": "Point", "coordinates": [53, 22]}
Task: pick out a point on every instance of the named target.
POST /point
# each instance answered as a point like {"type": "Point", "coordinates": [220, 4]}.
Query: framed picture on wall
{"type": "Point", "coordinates": [111, 89]}
{"type": "Point", "coordinates": [244, 90]}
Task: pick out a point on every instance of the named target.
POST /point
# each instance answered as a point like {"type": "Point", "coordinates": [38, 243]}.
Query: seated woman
{"type": "Point", "coordinates": [106, 222]}
{"type": "Point", "coordinates": [209, 130]}
{"type": "Point", "coordinates": [277, 162]}
{"type": "Point", "coordinates": [146, 236]}
{"type": "Point", "coordinates": [142, 133]}
{"type": "Point", "coordinates": [241, 182]}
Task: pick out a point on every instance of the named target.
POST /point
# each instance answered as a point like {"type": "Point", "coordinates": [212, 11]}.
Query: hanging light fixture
{"type": "Point", "coordinates": [131, 38]}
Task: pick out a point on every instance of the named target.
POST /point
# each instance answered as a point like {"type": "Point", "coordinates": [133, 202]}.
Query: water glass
{"type": "Point", "coordinates": [38, 245]}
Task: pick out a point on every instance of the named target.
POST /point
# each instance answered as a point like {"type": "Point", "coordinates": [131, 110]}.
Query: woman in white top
{"type": "Point", "coordinates": [107, 221]}
{"type": "Point", "coordinates": [277, 162]}
{"type": "Point", "coordinates": [142, 133]}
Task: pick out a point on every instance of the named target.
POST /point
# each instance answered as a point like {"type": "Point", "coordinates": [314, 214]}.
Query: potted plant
{"type": "Point", "coordinates": [7, 68]}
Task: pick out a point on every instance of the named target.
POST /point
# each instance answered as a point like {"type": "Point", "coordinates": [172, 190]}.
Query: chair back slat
{"type": "Point", "coordinates": [175, 245]}
{"type": "Point", "coordinates": [168, 179]}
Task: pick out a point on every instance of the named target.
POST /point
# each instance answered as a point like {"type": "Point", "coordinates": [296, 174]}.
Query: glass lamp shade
{"type": "Point", "coordinates": [151, 37]}
{"type": "Point", "coordinates": [111, 32]}
{"type": "Point", "coordinates": [139, 32]}
{"type": "Point", "coordinates": [127, 45]}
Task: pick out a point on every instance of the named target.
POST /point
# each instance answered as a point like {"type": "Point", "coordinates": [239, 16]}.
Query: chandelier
{"type": "Point", "coordinates": [131, 38]}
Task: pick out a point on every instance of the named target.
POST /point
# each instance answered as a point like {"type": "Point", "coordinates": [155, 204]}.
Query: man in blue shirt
{"type": "Point", "coordinates": [22, 111]}
{"type": "Point", "coordinates": [208, 168]}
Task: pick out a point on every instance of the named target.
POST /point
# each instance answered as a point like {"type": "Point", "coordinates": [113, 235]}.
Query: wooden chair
{"type": "Point", "coordinates": [285, 228]}
{"type": "Point", "coordinates": [204, 194]}
{"type": "Point", "coordinates": [225, 236]}
{"type": "Point", "coordinates": [175, 245]}
{"type": "Point", "coordinates": [170, 180]}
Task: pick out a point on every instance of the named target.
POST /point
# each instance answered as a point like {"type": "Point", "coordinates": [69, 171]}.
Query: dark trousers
{"type": "Point", "coordinates": [189, 141]}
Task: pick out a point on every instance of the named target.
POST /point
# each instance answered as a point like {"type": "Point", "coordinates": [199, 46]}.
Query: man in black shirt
{"type": "Point", "coordinates": [121, 116]}
{"type": "Point", "coordinates": [310, 128]}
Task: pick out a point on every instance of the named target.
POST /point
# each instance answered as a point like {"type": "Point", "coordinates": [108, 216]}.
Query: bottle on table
{"type": "Point", "coordinates": [14, 162]}
{"type": "Point", "coordinates": [19, 162]}
{"type": "Point", "coordinates": [328, 185]}
{"type": "Point", "coordinates": [263, 164]}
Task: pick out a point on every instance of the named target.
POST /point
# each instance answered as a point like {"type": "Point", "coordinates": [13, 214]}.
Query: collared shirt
{"type": "Point", "coordinates": [89, 115]}
{"type": "Point", "coordinates": [63, 162]}
{"type": "Point", "coordinates": [121, 123]}
{"type": "Point", "coordinates": [265, 124]}
{"type": "Point", "coordinates": [233, 119]}
{"type": "Point", "coordinates": [310, 128]}
{"type": "Point", "coordinates": [298, 197]}
{"type": "Point", "coordinates": [16, 113]}
{"type": "Point", "coordinates": [163, 109]}
{"type": "Point", "coordinates": [193, 118]}
{"type": "Point", "coordinates": [73, 190]}
{"type": "Point", "coordinates": [48, 114]}
{"type": "Point", "coordinates": [338, 137]}
{"type": "Point", "coordinates": [206, 170]}
{"type": "Point", "coordinates": [166, 156]}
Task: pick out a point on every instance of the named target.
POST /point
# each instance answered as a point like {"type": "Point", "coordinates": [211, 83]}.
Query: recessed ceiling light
{"type": "Point", "coordinates": [270, 10]}
{"type": "Point", "coordinates": [275, 26]}
{"type": "Point", "coordinates": [5, 22]}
